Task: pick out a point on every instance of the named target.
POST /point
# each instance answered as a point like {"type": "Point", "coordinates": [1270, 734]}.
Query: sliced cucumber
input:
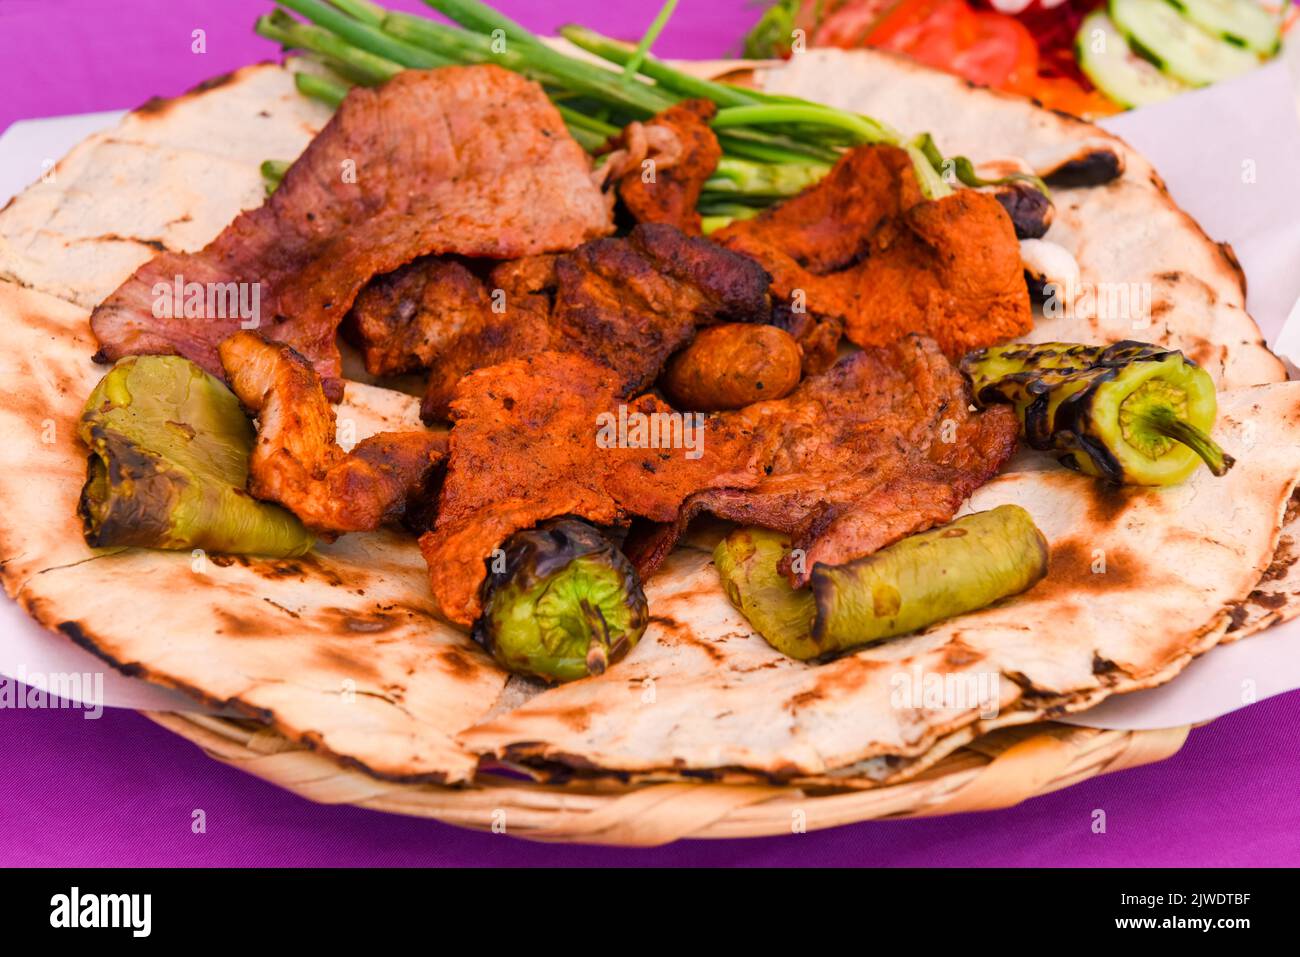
{"type": "Point", "coordinates": [1243, 22]}
{"type": "Point", "coordinates": [1158, 31]}
{"type": "Point", "coordinates": [1105, 56]}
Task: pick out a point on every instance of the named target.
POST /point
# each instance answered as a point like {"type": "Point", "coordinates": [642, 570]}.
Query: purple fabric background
{"type": "Point", "coordinates": [121, 791]}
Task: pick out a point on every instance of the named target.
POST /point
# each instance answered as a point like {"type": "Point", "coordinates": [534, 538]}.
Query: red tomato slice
{"type": "Point", "coordinates": [1003, 54]}
{"type": "Point", "coordinates": [849, 23]}
{"type": "Point", "coordinates": [917, 23]}
{"type": "Point", "coordinates": [986, 48]}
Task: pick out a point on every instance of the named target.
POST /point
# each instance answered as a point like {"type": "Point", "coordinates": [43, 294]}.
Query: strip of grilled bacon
{"type": "Point", "coordinates": [297, 461]}
{"type": "Point", "coordinates": [469, 160]}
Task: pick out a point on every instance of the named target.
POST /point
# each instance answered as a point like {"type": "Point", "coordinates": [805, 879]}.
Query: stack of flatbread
{"type": "Point", "coordinates": [340, 650]}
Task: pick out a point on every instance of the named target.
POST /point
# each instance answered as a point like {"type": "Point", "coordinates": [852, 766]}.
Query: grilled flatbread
{"type": "Point", "coordinates": [341, 650]}
{"type": "Point", "coordinates": [169, 177]}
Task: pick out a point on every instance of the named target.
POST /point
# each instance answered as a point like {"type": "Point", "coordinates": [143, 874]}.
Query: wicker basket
{"type": "Point", "coordinates": [998, 770]}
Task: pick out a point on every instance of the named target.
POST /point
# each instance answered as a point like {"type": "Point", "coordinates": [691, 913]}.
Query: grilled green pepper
{"type": "Point", "coordinates": [747, 562]}
{"type": "Point", "coordinates": [948, 571]}
{"type": "Point", "coordinates": [564, 603]}
{"type": "Point", "coordinates": [1131, 413]}
{"type": "Point", "coordinates": [169, 449]}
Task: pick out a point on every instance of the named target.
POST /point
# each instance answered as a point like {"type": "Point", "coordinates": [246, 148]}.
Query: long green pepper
{"type": "Point", "coordinates": [1131, 413]}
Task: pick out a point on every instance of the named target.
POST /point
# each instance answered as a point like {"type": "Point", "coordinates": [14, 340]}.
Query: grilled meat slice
{"type": "Point", "coordinates": [863, 245]}
{"type": "Point", "coordinates": [828, 227]}
{"type": "Point", "coordinates": [467, 160]}
{"type": "Point", "coordinates": [297, 461]}
{"type": "Point", "coordinates": [628, 303]}
{"type": "Point", "coordinates": [538, 437]}
{"type": "Point", "coordinates": [401, 321]}
{"type": "Point", "coordinates": [530, 276]}
{"type": "Point", "coordinates": [682, 152]}
{"type": "Point", "coordinates": [632, 303]}
{"type": "Point", "coordinates": [514, 321]}
{"type": "Point", "coordinates": [882, 445]}
{"type": "Point", "coordinates": [950, 269]}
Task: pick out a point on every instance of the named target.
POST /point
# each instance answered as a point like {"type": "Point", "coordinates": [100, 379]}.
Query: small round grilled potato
{"type": "Point", "coordinates": [732, 365]}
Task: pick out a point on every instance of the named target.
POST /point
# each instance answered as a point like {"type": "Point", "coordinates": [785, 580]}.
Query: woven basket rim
{"type": "Point", "coordinates": [998, 770]}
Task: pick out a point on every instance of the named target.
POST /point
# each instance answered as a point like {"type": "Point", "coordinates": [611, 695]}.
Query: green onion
{"type": "Point", "coordinates": [752, 145]}
{"type": "Point", "coordinates": [321, 88]}
{"type": "Point", "coordinates": [572, 119]}
{"type": "Point", "coordinates": [363, 66]}
{"type": "Point", "coordinates": [363, 10]}
{"type": "Point", "coordinates": [684, 84]}
{"type": "Point", "coordinates": [364, 36]}
{"type": "Point", "coordinates": [474, 15]}
{"type": "Point", "coordinates": [768, 180]}
{"type": "Point", "coordinates": [587, 77]}
{"type": "Point", "coordinates": [715, 216]}
{"type": "Point", "coordinates": [539, 63]}
{"type": "Point", "coordinates": [965, 172]}
{"type": "Point", "coordinates": [273, 172]}
{"type": "Point", "coordinates": [863, 129]}
{"type": "Point", "coordinates": [633, 65]}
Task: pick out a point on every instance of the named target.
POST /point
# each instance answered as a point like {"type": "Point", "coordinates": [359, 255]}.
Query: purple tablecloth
{"type": "Point", "coordinates": [121, 790]}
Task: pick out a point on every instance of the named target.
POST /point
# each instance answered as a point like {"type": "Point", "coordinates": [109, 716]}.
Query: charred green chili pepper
{"type": "Point", "coordinates": [747, 562]}
{"type": "Point", "coordinates": [564, 603]}
{"type": "Point", "coordinates": [168, 465]}
{"type": "Point", "coordinates": [1131, 413]}
{"type": "Point", "coordinates": [948, 571]}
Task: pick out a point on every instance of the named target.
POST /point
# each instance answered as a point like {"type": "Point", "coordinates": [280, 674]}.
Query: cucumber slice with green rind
{"type": "Point", "coordinates": [1112, 66]}
{"type": "Point", "coordinates": [1243, 22]}
{"type": "Point", "coordinates": [1179, 47]}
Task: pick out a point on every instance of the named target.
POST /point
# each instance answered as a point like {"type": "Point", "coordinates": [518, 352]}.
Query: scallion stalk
{"type": "Point", "coordinates": [321, 88]}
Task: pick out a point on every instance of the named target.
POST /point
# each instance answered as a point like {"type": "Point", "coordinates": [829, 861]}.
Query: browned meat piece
{"type": "Point", "coordinates": [828, 226]}
{"type": "Point", "coordinates": [628, 303]}
{"type": "Point", "coordinates": [515, 321]}
{"type": "Point", "coordinates": [950, 269]}
{"type": "Point", "coordinates": [632, 303]}
{"type": "Point", "coordinates": [538, 437]}
{"type": "Point", "coordinates": [683, 153]}
{"type": "Point", "coordinates": [468, 160]}
{"type": "Point", "coordinates": [818, 335]}
{"type": "Point", "coordinates": [297, 462]}
{"type": "Point", "coordinates": [529, 276]}
{"type": "Point", "coordinates": [864, 246]}
{"type": "Point", "coordinates": [402, 321]}
{"type": "Point", "coordinates": [881, 446]}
